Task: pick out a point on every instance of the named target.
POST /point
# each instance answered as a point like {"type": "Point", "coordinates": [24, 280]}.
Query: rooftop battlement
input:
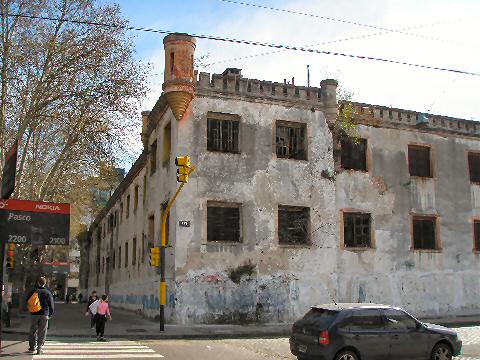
{"type": "Point", "coordinates": [377, 115]}
{"type": "Point", "coordinates": [232, 82]}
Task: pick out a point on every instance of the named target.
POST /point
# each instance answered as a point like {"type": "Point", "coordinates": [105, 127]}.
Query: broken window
{"type": "Point", "coordinates": [126, 254]}
{"type": "Point", "coordinates": [474, 167]}
{"type": "Point", "coordinates": [134, 251]}
{"type": "Point", "coordinates": [424, 233]}
{"type": "Point", "coordinates": [135, 198]}
{"type": "Point", "coordinates": [167, 144]}
{"type": "Point", "coordinates": [153, 157]}
{"type": "Point", "coordinates": [419, 161]}
{"type": "Point", "coordinates": [293, 225]}
{"type": "Point", "coordinates": [354, 154]}
{"type": "Point", "coordinates": [476, 235]}
{"type": "Point", "coordinates": [290, 140]}
{"type": "Point", "coordinates": [223, 133]}
{"type": "Point", "coordinates": [357, 230]}
{"type": "Point", "coordinates": [223, 222]}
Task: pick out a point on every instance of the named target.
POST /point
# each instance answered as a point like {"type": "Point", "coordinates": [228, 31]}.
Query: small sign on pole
{"type": "Point", "coordinates": [184, 223]}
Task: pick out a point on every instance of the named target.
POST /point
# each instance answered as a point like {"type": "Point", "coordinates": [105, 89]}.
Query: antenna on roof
{"type": "Point", "coordinates": [308, 75]}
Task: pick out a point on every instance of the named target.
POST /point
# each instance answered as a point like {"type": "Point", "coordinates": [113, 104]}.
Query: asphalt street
{"type": "Point", "coordinates": [14, 346]}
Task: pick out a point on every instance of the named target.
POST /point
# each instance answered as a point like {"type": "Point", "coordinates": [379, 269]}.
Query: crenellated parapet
{"type": "Point", "coordinates": [234, 84]}
{"type": "Point", "coordinates": [377, 115]}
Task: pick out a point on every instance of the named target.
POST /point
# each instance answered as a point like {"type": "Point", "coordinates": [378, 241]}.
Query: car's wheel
{"type": "Point", "coordinates": [441, 352]}
{"type": "Point", "coordinates": [346, 355]}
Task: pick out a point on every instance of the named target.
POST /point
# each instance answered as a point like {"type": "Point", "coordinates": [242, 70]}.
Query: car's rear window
{"type": "Point", "coordinates": [320, 318]}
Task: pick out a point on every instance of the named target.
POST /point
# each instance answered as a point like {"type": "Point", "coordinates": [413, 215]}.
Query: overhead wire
{"type": "Point", "coordinates": [251, 42]}
{"type": "Point", "coordinates": [333, 41]}
{"type": "Point", "coordinates": [356, 23]}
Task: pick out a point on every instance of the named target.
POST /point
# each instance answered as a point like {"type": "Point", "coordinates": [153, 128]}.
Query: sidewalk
{"type": "Point", "coordinates": [70, 321]}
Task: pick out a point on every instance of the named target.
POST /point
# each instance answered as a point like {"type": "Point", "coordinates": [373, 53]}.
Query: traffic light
{"type": "Point", "coordinates": [10, 255]}
{"type": "Point", "coordinates": [155, 256]}
{"type": "Point", "coordinates": [183, 163]}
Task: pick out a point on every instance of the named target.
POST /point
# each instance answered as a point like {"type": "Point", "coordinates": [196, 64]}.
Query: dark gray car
{"type": "Point", "coordinates": [369, 332]}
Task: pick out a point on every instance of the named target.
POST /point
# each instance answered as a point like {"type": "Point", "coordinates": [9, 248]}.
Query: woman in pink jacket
{"type": "Point", "coordinates": [103, 312]}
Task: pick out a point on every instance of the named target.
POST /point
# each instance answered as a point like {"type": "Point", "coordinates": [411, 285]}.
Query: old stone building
{"type": "Point", "coordinates": [284, 210]}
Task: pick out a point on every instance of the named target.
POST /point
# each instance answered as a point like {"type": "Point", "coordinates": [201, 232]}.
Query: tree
{"type": "Point", "coordinates": [69, 92]}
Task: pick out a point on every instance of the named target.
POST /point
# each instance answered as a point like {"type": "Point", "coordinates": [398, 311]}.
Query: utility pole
{"type": "Point", "coordinates": [183, 172]}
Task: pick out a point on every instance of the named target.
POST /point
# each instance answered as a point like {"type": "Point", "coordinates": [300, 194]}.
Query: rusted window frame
{"type": "Point", "coordinates": [347, 159]}
{"type": "Point", "coordinates": [414, 171]}
{"type": "Point", "coordinates": [306, 225]}
{"type": "Point", "coordinates": [434, 218]}
{"type": "Point", "coordinates": [220, 204]}
{"type": "Point", "coordinates": [355, 244]}
{"type": "Point", "coordinates": [231, 121]}
{"type": "Point", "coordinates": [301, 138]}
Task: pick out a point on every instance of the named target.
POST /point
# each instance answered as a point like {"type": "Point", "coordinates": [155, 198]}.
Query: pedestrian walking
{"type": "Point", "coordinates": [80, 297]}
{"type": "Point", "coordinates": [103, 312]}
{"type": "Point", "coordinates": [91, 299]}
{"type": "Point", "coordinates": [67, 298]}
{"type": "Point", "coordinates": [41, 307]}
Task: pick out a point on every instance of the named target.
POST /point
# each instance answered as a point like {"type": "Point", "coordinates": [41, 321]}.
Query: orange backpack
{"type": "Point", "coordinates": [34, 303]}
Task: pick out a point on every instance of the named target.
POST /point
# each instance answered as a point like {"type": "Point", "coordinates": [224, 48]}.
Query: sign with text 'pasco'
{"type": "Point", "coordinates": [34, 222]}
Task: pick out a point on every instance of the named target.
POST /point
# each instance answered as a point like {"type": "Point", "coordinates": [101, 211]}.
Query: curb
{"type": "Point", "coordinates": [150, 336]}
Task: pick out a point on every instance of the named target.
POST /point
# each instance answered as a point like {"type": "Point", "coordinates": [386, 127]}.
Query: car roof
{"type": "Point", "coordinates": [345, 306]}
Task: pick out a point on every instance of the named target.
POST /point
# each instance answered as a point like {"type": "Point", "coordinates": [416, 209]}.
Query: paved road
{"type": "Point", "coordinates": [232, 349]}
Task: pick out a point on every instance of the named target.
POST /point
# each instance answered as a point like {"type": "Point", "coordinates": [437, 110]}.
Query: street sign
{"type": "Point", "coordinates": [56, 267]}
{"type": "Point", "coordinates": [184, 223]}
{"type": "Point", "coordinates": [35, 222]}
{"type": "Point", "coordinates": [9, 171]}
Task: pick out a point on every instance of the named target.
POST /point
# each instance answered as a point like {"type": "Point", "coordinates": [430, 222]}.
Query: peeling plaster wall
{"type": "Point", "coordinates": [427, 283]}
{"type": "Point", "coordinates": [286, 279]}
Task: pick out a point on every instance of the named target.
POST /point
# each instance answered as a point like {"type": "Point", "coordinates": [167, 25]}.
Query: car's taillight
{"type": "Point", "coordinates": [324, 338]}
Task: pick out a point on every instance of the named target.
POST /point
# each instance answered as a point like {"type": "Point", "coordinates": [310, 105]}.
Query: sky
{"type": "Point", "coordinates": [443, 33]}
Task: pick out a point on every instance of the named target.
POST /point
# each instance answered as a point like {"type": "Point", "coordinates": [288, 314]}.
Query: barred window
{"type": "Point", "coordinates": [424, 233]}
{"type": "Point", "coordinates": [293, 225]}
{"type": "Point", "coordinates": [474, 167]}
{"type": "Point", "coordinates": [223, 222]}
{"type": "Point", "coordinates": [354, 154]}
{"type": "Point", "coordinates": [419, 161]}
{"type": "Point", "coordinates": [223, 133]}
{"type": "Point", "coordinates": [290, 140]}
{"type": "Point", "coordinates": [356, 230]}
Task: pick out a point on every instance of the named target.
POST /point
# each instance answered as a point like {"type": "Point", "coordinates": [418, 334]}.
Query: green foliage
{"type": "Point", "coordinates": [236, 274]}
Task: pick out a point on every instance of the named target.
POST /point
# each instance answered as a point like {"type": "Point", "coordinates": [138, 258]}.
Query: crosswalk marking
{"type": "Point", "coordinates": [118, 349]}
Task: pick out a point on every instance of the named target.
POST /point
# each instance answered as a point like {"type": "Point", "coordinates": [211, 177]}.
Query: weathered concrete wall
{"type": "Point", "coordinates": [286, 278]}
{"type": "Point", "coordinates": [424, 282]}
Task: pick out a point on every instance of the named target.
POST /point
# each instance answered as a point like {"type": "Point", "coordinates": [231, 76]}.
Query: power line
{"type": "Point", "coordinates": [356, 23]}
{"type": "Point", "coordinates": [249, 42]}
{"type": "Point", "coordinates": [333, 41]}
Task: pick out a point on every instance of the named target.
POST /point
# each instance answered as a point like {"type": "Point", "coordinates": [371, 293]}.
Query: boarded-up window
{"type": "Point", "coordinates": [290, 140]}
{"type": "Point", "coordinates": [474, 167]}
{"type": "Point", "coordinates": [126, 254]}
{"type": "Point", "coordinates": [119, 257]}
{"type": "Point", "coordinates": [135, 198]}
{"type": "Point", "coordinates": [223, 134]}
{"type": "Point", "coordinates": [293, 225]}
{"type": "Point", "coordinates": [354, 154]}
{"type": "Point", "coordinates": [424, 233]}
{"type": "Point", "coordinates": [356, 230]}
{"type": "Point", "coordinates": [419, 161]}
{"type": "Point", "coordinates": [167, 144]}
{"type": "Point", "coordinates": [128, 206]}
{"type": "Point", "coordinates": [476, 235]}
{"type": "Point", "coordinates": [223, 222]}
{"type": "Point", "coordinates": [151, 231]}
{"type": "Point", "coordinates": [134, 251]}
{"type": "Point", "coordinates": [153, 157]}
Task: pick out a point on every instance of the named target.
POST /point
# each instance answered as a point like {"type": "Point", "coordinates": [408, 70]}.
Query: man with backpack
{"type": "Point", "coordinates": [41, 306]}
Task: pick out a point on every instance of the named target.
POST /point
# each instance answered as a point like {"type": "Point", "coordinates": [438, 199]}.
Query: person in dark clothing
{"type": "Point", "coordinates": [90, 301]}
{"type": "Point", "coordinates": [39, 319]}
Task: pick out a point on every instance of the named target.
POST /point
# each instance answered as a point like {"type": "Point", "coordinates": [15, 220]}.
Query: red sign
{"type": "Point", "coordinates": [35, 206]}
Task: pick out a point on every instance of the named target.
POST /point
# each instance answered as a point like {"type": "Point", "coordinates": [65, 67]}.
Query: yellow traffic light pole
{"type": "Point", "coordinates": [163, 284]}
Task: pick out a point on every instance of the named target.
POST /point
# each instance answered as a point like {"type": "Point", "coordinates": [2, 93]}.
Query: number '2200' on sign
{"type": "Point", "coordinates": [17, 239]}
